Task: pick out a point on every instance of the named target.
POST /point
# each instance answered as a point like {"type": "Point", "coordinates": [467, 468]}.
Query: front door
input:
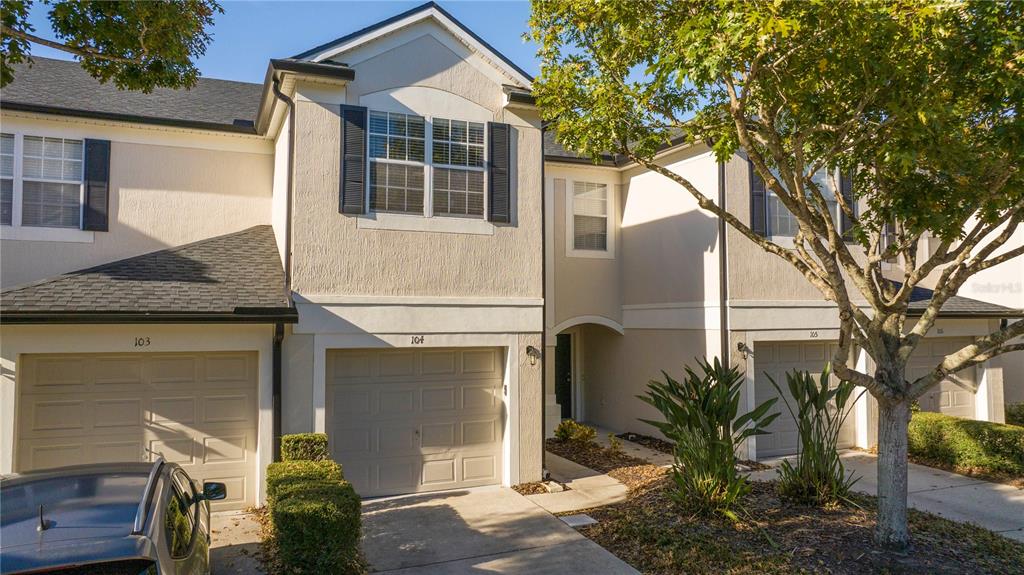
{"type": "Point", "coordinates": [563, 373]}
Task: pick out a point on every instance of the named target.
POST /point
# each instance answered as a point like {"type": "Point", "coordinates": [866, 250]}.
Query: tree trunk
{"type": "Point", "coordinates": [893, 419]}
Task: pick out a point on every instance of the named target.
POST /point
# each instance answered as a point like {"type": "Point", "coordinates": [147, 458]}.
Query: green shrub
{"type": "Point", "coordinates": [569, 430]}
{"type": "Point", "coordinates": [701, 418]}
{"type": "Point", "coordinates": [304, 447]}
{"type": "Point", "coordinates": [966, 444]}
{"type": "Point", "coordinates": [317, 528]}
{"type": "Point", "coordinates": [285, 473]}
{"type": "Point", "coordinates": [818, 476]}
{"type": "Point", "coordinates": [1015, 414]}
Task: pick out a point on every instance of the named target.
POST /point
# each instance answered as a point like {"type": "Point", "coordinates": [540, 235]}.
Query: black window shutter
{"type": "Point", "coordinates": [499, 189]}
{"type": "Point", "coordinates": [846, 189]}
{"type": "Point", "coordinates": [352, 194]}
{"type": "Point", "coordinates": [758, 203]}
{"type": "Point", "coordinates": [95, 215]}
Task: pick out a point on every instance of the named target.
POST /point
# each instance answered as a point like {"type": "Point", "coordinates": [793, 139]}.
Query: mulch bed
{"type": "Point", "coordinates": [668, 447]}
{"type": "Point", "coordinates": [650, 532]}
{"type": "Point", "coordinates": [532, 488]}
{"type": "Point", "coordinates": [633, 472]}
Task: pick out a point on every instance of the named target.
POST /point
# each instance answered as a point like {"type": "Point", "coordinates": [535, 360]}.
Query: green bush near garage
{"type": "Point", "coordinates": [966, 445]}
{"type": "Point", "coordinates": [305, 447]}
{"type": "Point", "coordinates": [314, 512]}
{"type": "Point", "coordinates": [317, 527]}
{"type": "Point", "coordinates": [287, 473]}
{"type": "Point", "coordinates": [1015, 414]}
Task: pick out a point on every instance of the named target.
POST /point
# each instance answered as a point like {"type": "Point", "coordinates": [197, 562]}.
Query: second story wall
{"type": "Point", "coordinates": [419, 73]}
{"type": "Point", "coordinates": [167, 188]}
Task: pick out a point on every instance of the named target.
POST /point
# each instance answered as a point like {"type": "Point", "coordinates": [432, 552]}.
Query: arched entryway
{"type": "Point", "coordinates": [567, 373]}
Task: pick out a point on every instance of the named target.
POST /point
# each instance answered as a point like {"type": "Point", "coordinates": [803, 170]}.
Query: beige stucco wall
{"type": "Point", "coordinates": [754, 274]}
{"type": "Point", "coordinates": [333, 255]}
{"type": "Point", "coordinates": [165, 190]}
{"type": "Point", "coordinates": [583, 286]}
{"type": "Point", "coordinates": [531, 446]}
{"type": "Point", "coordinates": [617, 368]}
{"type": "Point", "coordinates": [670, 245]}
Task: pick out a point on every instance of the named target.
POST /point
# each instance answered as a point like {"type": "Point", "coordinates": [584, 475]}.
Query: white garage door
{"type": "Point", "coordinates": [952, 395]}
{"type": "Point", "coordinates": [777, 359]}
{"type": "Point", "coordinates": [197, 410]}
{"type": "Point", "coordinates": [405, 421]}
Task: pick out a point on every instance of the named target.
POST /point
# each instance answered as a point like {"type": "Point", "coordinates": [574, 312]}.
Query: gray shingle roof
{"type": "Point", "coordinates": [235, 277]}
{"type": "Point", "coordinates": [554, 151]}
{"type": "Point", "coordinates": [63, 87]}
{"type": "Point", "coordinates": [958, 306]}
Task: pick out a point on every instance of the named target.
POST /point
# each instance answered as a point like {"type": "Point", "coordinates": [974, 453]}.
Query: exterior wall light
{"type": "Point", "coordinates": [534, 354]}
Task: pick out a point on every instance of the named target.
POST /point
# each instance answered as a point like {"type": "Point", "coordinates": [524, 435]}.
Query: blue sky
{"type": "Point", "coordinates": [248, 34]}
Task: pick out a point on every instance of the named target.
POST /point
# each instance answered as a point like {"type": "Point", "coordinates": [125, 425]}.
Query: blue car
{"type": "Point", "coordinates": [106, 519]}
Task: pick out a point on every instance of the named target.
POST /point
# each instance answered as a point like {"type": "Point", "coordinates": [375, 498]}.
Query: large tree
{"type": "Point", "coordinates": [137, 44]}
{"type": "Point", "coordinates": [919, 99]}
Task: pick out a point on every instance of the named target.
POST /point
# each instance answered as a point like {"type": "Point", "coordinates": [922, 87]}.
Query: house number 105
{"type": "Point", "coordinates": [417, 339]}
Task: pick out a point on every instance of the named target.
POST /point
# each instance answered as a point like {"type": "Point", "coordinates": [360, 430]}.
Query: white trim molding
{"type": "Point", "coordinates": [351, 315]}
{"type": "Point", "coordinates": [419, 223]}
{"type": "Point", "coordinates": [676, 315]}
{"type": "Point", "coordinates": [584, 319]}
{"type": "Point", "coordinates": [37, 234]}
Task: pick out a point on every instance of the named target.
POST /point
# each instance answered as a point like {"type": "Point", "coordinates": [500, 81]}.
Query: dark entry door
{"type": "Point", "coordinates": [563, 373]}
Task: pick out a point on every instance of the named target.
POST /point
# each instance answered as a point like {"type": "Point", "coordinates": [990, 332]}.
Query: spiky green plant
{"type": "Point", "coordinates": [701, 418]}
{"type": "Point", "coordinates": [817, 475]}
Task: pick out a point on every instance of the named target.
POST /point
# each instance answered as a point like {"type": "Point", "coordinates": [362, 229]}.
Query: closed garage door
{"type": "Point", "coordinates": [777, 359]}
{"type": "Point", "coordinates": [952, 395]}
{"type": "Point", "coordinates": [405, 421]}
{"type": "Point", "coordinates": [197, 410]}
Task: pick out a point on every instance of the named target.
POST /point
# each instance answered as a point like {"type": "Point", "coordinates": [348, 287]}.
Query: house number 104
{"type": "Point", "coordinates": [417, 340]}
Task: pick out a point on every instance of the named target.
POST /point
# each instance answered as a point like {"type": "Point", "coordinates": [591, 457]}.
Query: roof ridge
{"type": "Point", "coordinates": [96, 268]}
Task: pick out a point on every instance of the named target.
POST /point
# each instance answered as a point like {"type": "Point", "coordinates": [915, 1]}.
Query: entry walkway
{"type": "Point", "coordinates": [487, 530]}
{"type": "Point", "coordinates": [994, 506]}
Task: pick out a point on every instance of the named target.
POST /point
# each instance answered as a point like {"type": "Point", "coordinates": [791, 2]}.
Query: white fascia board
{"type": "Point", "coordinates": [488, 54]}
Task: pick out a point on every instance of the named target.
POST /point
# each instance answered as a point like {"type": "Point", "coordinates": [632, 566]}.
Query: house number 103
{"type": "Point", "coordinates": [141, 342]}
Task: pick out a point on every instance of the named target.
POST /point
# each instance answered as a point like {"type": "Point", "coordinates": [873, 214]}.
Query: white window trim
{"type": "Point", "coordinates": [610, 221]}
{"type": "Point", "coordinates": [17, 231]}
{"type": "Point", "coordinates": [373, 219]}
{"type": "Point", "coordinates": [787, 241]}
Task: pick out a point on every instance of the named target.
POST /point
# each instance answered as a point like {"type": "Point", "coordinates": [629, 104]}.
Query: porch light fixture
{"type": "Point", "coordinates": [533, 353]}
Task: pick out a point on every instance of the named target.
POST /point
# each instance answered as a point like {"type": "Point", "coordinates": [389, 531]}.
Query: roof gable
{"type": "Point", "coordinates": [426, 12]}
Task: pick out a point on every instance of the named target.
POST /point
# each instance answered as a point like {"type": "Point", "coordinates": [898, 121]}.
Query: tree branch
{"type": "Point", "coordinates": [82, 52]}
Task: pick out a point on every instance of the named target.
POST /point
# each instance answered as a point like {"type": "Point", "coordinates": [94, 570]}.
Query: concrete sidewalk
{"type": "Point", "coordinates": [492, 530]}
{"type": "Point", "coordinates": [587, 488]}
{"type": "Point", "coordinates": [994, 506]}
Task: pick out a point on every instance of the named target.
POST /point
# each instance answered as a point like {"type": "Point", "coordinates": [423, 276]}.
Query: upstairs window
{"type": "Point", "coordinates": [458, 158]}
{"type": "Point", "coordinates": [397, 148]}
{"type": "Point", "coordinates": [51, 182]}
{"type": "Point", "coordinates": [6, 178]}
{"type": "Point", "coordinates": [590, 216]}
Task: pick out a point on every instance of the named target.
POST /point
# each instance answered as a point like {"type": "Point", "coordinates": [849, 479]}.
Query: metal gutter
{"type": "Point", "coordinates": [544, 313]}
{"type": "Point", "coordinates": [244, 127]}
{"type": "Point", "coordinates": [277, 385]}
{"type": "Point", "coordinates": [320, 69]}
{"type": "Point", "coordinates": [723, 272]}
{"type": "Point", "coordinates": [289, 184]}
{"type": "Point", "coordinates": [267, 315]}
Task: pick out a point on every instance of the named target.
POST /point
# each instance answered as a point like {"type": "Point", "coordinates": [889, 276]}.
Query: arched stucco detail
{"type": "Point", "coordinates": [582, 319]}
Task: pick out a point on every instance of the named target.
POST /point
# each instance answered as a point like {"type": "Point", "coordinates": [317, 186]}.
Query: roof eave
{"type": "Point", "coordinates": [239, 315]}
{"type": "Point", "coordinates": [246, 129]}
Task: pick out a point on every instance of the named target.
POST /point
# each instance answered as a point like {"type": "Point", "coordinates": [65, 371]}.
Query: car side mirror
{"type": "Point", "coordinates": [214, 491]}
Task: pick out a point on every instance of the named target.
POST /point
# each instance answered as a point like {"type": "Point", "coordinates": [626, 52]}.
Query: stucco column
{"type": "Point", "coordinates": [861, 409]}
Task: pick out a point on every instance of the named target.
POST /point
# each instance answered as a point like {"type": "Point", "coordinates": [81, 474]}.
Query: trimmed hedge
{"type": "Point", "coordinates": [569, 430]}
{"type": "Point", "coordinates": [967, 445]}
{"type": "Point", "coordinates": [286, 473]}
{"type": "Point", "coordinates": [317, 527]}
{"type": "Point", "coordinates": [1015, 414]}
{"type": "Point", "coordinates": [304, 447]}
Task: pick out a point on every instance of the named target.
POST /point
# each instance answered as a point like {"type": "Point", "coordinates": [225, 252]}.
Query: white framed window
{"type": "Point", "coordinates": [6, 178]}
{"type": "Point", "coordinates": [426, 166]}
{"type": "Point", "coordinates": [42, 187]}
{"type": "Point", "coordinates": [589, 219]}
{"type": "Point", "coordinates": [397, 151]}
{"type": "Point", "coordinates": [783, 224]}
{"type": "Point", "coordinates": [458, 164]}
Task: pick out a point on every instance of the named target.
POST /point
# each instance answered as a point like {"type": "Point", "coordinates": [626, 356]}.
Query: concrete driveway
{"type": "Point", "coordinates": [994, 506]}
{"type": "Point", "coordinates": [488, 530]}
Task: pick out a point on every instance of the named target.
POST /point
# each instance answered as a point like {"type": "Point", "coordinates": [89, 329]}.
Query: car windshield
{"type": "Point", "coordinates": [76, 503]}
